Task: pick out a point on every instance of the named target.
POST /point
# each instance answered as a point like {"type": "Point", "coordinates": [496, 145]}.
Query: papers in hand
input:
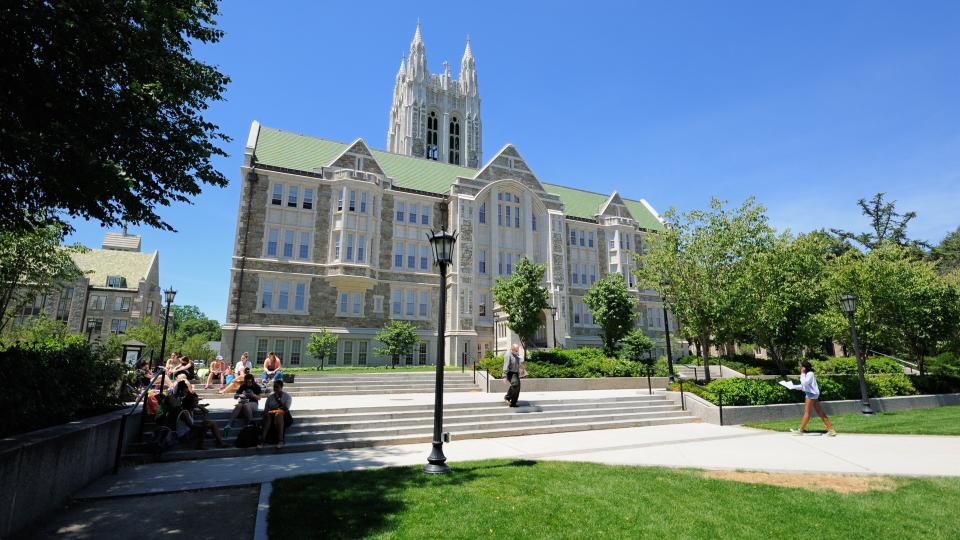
{"type": "Point", "coordinates": [790, 386]}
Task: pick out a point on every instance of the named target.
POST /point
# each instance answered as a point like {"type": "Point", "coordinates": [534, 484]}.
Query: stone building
{"type": "Point", "coordinates": [120, 288]}
{"type": "Point", "coordinates": [334, 235]}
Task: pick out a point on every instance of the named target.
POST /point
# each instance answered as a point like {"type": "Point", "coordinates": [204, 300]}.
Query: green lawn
{"type": "Point", "coordinates": [935, 421]}
{"type": "Point", "coordinates": [527, 499]}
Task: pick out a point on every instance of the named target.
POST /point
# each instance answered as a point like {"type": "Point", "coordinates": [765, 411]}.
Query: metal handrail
{"type": "Point", "coordinates": [901, 361]}
{"type": "Point", "coordinates": [123, 418]}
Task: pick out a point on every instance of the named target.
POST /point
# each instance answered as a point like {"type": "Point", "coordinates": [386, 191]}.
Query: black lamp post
{"type": "Point", "coordinates": [553, 315]}
{"type": "Point", "coordinates": [442, 243]}
{"type": "Point", "coordinates": [849, 304]}
{"type": "Point", "coordinates": [169, 295]}
{"type": "Point", "coordinates": [666, 326]}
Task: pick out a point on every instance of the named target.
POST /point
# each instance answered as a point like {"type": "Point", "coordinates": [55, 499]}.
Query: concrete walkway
{"type": "Point", "coordinates": [685, 445]}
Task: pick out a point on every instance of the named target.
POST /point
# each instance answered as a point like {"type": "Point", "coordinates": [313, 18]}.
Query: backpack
{"type": "Point", "coordinates": [249, 436]}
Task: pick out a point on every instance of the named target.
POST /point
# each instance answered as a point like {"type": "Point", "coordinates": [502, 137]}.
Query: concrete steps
{"type": "Point", "coordinates": [362, 384]}
{"type": "Point", "coordinates": [408, 424]}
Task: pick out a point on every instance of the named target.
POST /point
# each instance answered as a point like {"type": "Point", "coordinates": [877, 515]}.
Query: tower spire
{"type": "Point", "coordinates": [417, 65]}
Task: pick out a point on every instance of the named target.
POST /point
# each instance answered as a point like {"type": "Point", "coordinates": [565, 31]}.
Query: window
{"type": "Point", "coordinates": [278, 348]}
{"type": "Point", "coordinates": [424, 257]}
{"type": "Point", "coordinates": [400, 211]}
{"type": "Point", "coordinates": [63, 307]}
{"type": "Point", "coordinates": [482, 308]}
{"type": "Point", "coordinates": [483, 213]}
{"type": "Point", "coordinates": [423, 304]}
{"type": "Point", "coordinates": [613, 243]}
{"type": "Point", "coordinates": [411, 256]}
{"type": "Point", "coordinates": [349, 256]}
{"type": "Point", "coordinates": [433, 148]}
{"type": "Point", "coordinates": [533, 222]}
{"type": "Point", "coordinates": [582, 243]}
{"type": "Point", "coordinates": [363, 201]}
{"type": "Point", "coordinates": [121, 304]}
{"type": "Point", "coordinates": [500, 263]}
{"type": "Point", "coordinates": [304, 246]}
{"type": "Point", "coordinates": [150, 307]}
{"type": "Point", "coordinates": [359, 163]}
{"type": "Point", "coordinates": [398, 255]}
{"type": "Point", "coordinates": [299, 298]}
{"type": "Point", "coordinates": [593, 274]}
{"type": "Point", "coordinates": [116, 281]}
{"type": "Point", "coordinates": [361, 353]}
{"type": "Point", "coordinates": [454, 148]}
{"type": "Point", "coordinates": [277, 198]}
{"type": "Point", "coordinates": [516, 217]}
{"type": "Point", "coordinates": [288, 243]}
{"type": "Point", "coordinates": [263, 347]}
{"type": "Point", "coordinates": [273, 235]}
{"type": "Point", "coordinates": [340, 201]}
{"type": "Point", "coordinates": [361, 245]}
{"type": "Point", "coordinates": [613, 268]}
{"type": "Point", "coordinates": [353, 201]}
{"type": "Point", "coordinates": [295, 346]}
{"type": "Point", "coordinates": [482, 261]}
{"type": "Point", "coordinates": [411, 299]}
{"type": "Point", "coordinates": [95, 326]}
{"type": "Point", "coordinates": [307, 199]}
{"type": "Point", "coordinates": [425, 214]}
{"type": "Point", "coordinates": [31, 310]}
{"type": "Point", "coordinates": [283, 296]}
{"type": "Point", "coordinates": [573, 237]}
{"type": "Point", "coordinates": [423, 353]}
{"type": "Point", "coordinates": [412, 213]}
{"type": "Point", "coordinates": [118, 326]}
{"type": "Point", "coordinates": [509, 263]}
{"type": "Point", "coordinates": [336, 246]}
{"type": "Point", "coordinates": [266, 300]}
{"type": "Point", "coordinates": [378, 304]}
{"type": "Point", "coordinates": [574, 274]}
{"type": "Point", "coordinates": [500, 215]}
{"type": "Point", "coordinates": [357, 303]}
{"type": "Point", "coordinates": [98, 302]}
{"type": "Point", "coordinates": [395, 301]}
{"type": "Point", "coordinates": [292, 193]}
{"type": "Point", "coordinates": [508, 215]}
{"type": "Point", "coordinates": [590, 239]}
{"type": "Point", "coordinates": [344, 300]}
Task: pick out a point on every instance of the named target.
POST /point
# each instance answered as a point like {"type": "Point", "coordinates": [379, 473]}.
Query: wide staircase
{"type": "Point", "coordinates": [309, 384]}
{"type": "Point", "coordinates": [359, 427]}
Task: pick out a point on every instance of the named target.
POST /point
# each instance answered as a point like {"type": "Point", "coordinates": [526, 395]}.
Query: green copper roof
{"type": "Point", "coordinates": [304, 153]}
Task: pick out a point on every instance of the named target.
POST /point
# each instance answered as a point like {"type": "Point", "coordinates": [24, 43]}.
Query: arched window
{"type": "Point", "coordinates": [433, 148]}
{"type": "Point", "coordinates": [454, 141]}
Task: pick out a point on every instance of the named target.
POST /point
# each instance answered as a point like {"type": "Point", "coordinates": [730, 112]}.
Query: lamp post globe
{"type": "Point", "coordinates": [442, 243]}
{"type": "Point", "coordinates": [848, 302]}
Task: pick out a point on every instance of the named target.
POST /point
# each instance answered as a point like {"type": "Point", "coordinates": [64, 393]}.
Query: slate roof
{"type": "Point", "coordinates": [280, 148]}
{"type": "Point", "coordinates": [97, 264]}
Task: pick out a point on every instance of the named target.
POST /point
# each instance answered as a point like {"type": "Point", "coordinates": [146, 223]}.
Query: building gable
{"type": "Point", "coordinates": [357, 156]}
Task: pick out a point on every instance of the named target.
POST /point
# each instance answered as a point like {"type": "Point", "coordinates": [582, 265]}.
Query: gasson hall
{"type": "Point", "coordinates": [332, 235]}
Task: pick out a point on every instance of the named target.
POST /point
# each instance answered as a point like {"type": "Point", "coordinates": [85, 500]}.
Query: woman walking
{"type": "Point", "coordinates": [808, 383]}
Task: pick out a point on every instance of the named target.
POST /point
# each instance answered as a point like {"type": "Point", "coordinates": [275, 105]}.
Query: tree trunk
{"type": "Point", "coordinates": [705, 344]}
{"type": "Point", "coordinates": [778, 357]}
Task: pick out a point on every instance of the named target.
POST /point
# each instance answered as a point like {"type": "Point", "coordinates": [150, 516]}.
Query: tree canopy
{"type": "Point", "coordinates": [322, 345]}
{"type": "Point", "coordinates": [886, 225]}
{"type": "Point", "coordinates": [613, 308]}
{"type": "Point", "coordinates": [523, 298]}
{"type": "Point", "coordinates": [189, 321]}
{"type": "Point", "coordinates": [947, 252]}
{"type": "Point", "coordinates": [398, 338]}
{"type": "Point", "coordinates": [102, 110]}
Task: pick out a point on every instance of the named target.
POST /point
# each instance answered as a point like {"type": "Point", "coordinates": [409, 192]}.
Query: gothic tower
{"type": "Point", "coordinates": [435, 116]}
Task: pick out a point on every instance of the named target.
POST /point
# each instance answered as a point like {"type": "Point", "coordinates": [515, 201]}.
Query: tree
{"type": "Point", "coordinates": [398, 338]}
{"type": "Point", "coordinates": [151, 333]}
{"type": "Point", "coordinates": [196, 348]}
{"type": "Point", "coordinates": [523, 298]}
{"type": "Point", "coordinates": [886, 224]}
{"type": "Point", "coordinates": [786, 295]}
{"type": "Point", "coordinates": [102, 110]}
{"type": "Point", "coordinates": [904, 305]}
{"type": "Point", "coordinates": [190, 321]}
{"type": "Point", "coordinates": [637, 347]}
{"type": "Point", "coordinates": [947, 252]}
{"type": "Point", "coordinates": [32, 263]}
{"type": "Point", "coordinates": [613, 309]}
{"type": "Point", "coordinates": [694, 264]}
{"type": "Point", "coordinates": [322, 345]}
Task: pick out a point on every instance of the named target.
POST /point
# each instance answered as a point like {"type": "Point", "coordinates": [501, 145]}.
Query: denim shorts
{"type": "Point", "coordinates": [808, 395]}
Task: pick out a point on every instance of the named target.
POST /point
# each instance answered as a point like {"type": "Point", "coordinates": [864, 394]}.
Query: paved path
{"type": "Point", "coordinates": [685, 445]}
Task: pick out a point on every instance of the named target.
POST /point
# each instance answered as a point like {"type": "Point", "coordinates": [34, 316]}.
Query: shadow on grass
{"type": "Point", "coordinates": [359, 503]}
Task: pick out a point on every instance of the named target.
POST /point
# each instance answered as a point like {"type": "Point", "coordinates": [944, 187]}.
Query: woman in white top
{"type": "Point", "coordinates": [808, 383]}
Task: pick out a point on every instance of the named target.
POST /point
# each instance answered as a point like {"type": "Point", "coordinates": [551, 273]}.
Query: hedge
{"type": "Point", "coordinates": [737, 391]}
{"type": "Point", "coordinates": [582, 363]}
{"type": "Point", "coordinates": [53, 382]}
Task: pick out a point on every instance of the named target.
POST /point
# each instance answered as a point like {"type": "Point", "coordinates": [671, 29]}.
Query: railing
{"type": "Point", "coordinates": [683, 403]}
{"type": "Point", "coordinates": [901, 361]}
{"type": "Point", "coordinates": [123, 418]}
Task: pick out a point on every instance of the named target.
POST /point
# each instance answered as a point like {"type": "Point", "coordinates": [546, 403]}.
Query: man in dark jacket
{"type": "Point", "coordinates": [512, 368]}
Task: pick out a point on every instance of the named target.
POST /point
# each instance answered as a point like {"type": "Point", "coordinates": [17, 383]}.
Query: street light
{"type": "Point", "coordinates": [169, 295]}
{"type": "Point", "coordinates": [553, 315]}
{"type": "Point", "coordinates": [849, 304]}
{"type": "Point", "coordinates": [442, 243]}
{"type": "Point", "coordinates": [666, 326]}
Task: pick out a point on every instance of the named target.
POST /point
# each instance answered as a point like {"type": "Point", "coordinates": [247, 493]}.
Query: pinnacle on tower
{"type": "Point", "coordinates": [417, 64]}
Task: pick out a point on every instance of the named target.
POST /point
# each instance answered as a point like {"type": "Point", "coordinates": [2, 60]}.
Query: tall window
{"type": "Point", "coordinates": [277, 197]}
{"type": "Point", "coordinates": [361, 246]}
{"type": "Point", "coordinates": [295, 346]}
{"type": "Point", "coordinates": [454, 141]}
{"type": "Point", "coordinates": [336, 246]}
{"type": "Point", "coordinates": [283, 296]}
{"type": "Point", "coordinates": [483, 261]}
{"type": "Point", "coordinates": [423, 353]}
{"type": "Point", "coordinates": [292, 193]}
{"type": "Point", "coordinates": [433, 148]}
{"type": "Point", "coordinates": [267, 300]}
{"type": "Point", "coordinates": [340, 201]}
{"type": "Point", "coordinates": [413, 213]}
{"type": "Point", "coordinates": [353, 201]}
{"type": "Point", "coordinates": [362, 353]}
{"type": "Point", "coordinates": [63, 307]}
{"type": "Point", "coordinates": [300, 297]}
{"type": "Point", "coordinates": [288, 243]}
{"type": "Point", "coordinates": [363, 201]}
{"type": "Point", "coordinates": [400, 211]}
{"type": "Point", "coordinates": [307, 198]}
{"type": "Point", "coordinates": [349, 246]}
{"type": "Point", "coordinates": [304, 246]}
{"type": "Point", "coordinates": [483, 212]}
{"type": "Point", "coordinates": [424, 257]}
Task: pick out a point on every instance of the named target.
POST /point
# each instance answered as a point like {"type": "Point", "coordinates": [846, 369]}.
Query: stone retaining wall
{"type": "Point", "coordinates": [563, 385]}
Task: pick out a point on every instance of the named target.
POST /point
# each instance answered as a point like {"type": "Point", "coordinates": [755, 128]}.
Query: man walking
{"type": "Point", "coordinates": [512, 368]}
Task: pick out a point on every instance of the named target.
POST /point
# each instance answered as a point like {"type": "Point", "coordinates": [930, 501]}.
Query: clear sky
{"type": "Point", "coordinates": [808, 106]}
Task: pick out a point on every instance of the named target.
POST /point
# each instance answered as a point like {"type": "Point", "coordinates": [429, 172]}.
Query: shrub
{"type": "Point", "coordinates": [738, 391]}
{"type": "Point", "coordinates": [583, 363]}
{"type": "Point", "coordinates": [943, 364]}
{"type": "Point", "coordinates": [935, 384]}
{"type": "Point", "coordinates": [847, 365]}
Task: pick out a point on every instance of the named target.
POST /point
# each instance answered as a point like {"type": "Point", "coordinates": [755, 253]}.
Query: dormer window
{"type": "Point", "coordinates": [116, 281]}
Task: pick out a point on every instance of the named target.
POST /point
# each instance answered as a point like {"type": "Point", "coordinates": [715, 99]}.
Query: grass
{"type": "Point", "coordinates": [527, 499]}
{"type": "Point", "coordinates": [935, 421]}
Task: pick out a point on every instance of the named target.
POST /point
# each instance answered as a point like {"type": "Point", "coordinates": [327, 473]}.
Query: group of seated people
{"type": "Point", "coordinates": [185, 416]}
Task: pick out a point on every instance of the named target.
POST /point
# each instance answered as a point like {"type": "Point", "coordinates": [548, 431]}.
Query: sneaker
{"type": "Point", "coordinates": [831, 433]}
{"type": "Point", "coordinates": [279, 445]}
{"type": "Point", "coordinates": [798, 432]}
{"type": "Point", "coordinates": [260, 445]}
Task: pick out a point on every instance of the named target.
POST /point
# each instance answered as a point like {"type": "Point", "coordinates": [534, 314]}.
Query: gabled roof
{"type": "Point", "coordinates": [304, 153]}
{"type": "Point", "coordinates": [97, 264]}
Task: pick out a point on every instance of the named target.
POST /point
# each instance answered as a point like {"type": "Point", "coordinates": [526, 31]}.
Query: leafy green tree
{"type": "Point", "coordinates": [613, 309]}
{"type": "Point", "coordinates": [398, 338]}
{"type": "Point", "coordinates": [103, 108]}
{"type": "Point", "coordinates": [786, 287]}
{"type": "Point", "coordinates": [886, 225]}
{"type": "Point", "coordinates": [196, 348]}
{"type": "Point", "coordinates": [190, 321]}
{"type": "Point", "coordinates": [41, 330]}
{"type": "Point", "coordinates": [32, 263]}
{"type": "Point", "coordinates": [947, 253]}
{"type": "Point", "coordinates": [637, 347]}
{"type": "Point", "coordinates": [904, 305]}
{"type": "Point", "coordinates": [695, 262]}
{"type": "Point", "coordinates": [151, 333]}
{"type": "Point", "coordinates": [523, 298]}
{"type": "Point", "coordinates": [322, 345]}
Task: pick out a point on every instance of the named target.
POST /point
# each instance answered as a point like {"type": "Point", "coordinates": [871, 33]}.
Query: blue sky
{"type": "Point", "coordinates": [807, 106]}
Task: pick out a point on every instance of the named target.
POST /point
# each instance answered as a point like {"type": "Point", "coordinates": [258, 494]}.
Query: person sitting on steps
{"type": "Point", "coordinates": [271, 368]}
{"type": "Point", "coordinates": [248, 396]}
{"type": "Point", "coordinates": [217, 369]}
{"type": "Point", "coordinates": [188, 427]}
{"type": "Point", "coordinates": [276, 413]}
